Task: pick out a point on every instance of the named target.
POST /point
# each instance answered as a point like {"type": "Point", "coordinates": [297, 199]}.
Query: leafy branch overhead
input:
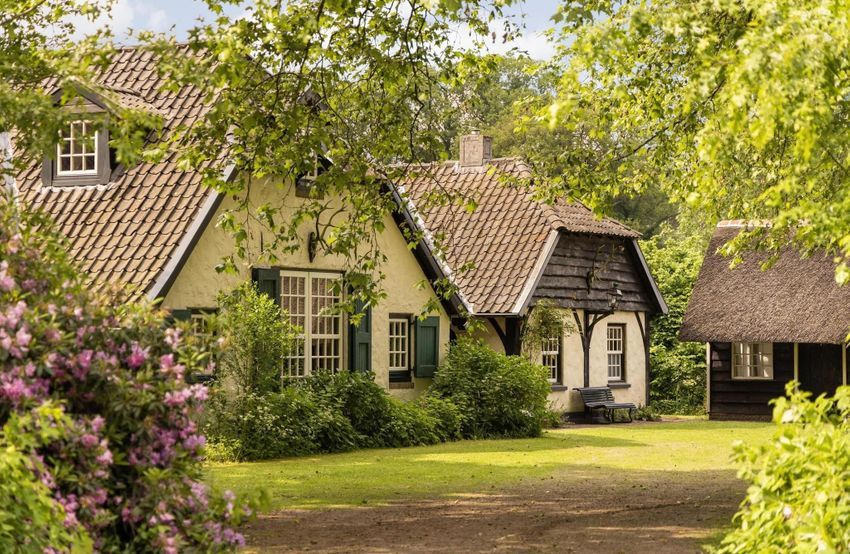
{"type": "Point", "coordinates": [340, 94]}
{"type": "Point", "coordinates": [738, 109]}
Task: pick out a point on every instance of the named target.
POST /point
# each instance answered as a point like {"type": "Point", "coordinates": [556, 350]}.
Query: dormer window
{"type": "Point", "coordinates": [77, 150]}
{"type": "Point", "coordinates": [82, 156]}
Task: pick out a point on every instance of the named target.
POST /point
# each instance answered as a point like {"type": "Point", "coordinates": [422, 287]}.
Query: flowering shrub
{"type": "Point", "coordinates": [31, 519]}
{"type": "Point", "coordinates": [799, 494]}
{"type": "Point", "coordinates": [126, 468]}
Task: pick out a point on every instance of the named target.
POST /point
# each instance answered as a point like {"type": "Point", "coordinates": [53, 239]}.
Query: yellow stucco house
{"type": "Point", "coordinates": [152, 227]}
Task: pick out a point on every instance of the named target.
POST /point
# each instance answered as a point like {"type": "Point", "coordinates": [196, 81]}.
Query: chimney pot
{"type": "Point", "coordinates": [475, 149]}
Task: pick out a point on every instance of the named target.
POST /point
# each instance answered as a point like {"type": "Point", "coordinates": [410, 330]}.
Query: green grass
{"type": "Point", "coordinates": [469, 467]}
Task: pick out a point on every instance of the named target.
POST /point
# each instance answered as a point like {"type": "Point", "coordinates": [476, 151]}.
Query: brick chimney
{"type": "Point", "coordinates": [475, 149]}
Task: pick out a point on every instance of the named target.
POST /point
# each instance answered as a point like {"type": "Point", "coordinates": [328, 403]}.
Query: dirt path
{"type": "Point", "coordinates": [657, 512]}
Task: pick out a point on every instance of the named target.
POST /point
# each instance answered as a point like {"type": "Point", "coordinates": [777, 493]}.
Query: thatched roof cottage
{"type": "Point", "coordinates": [764, 328]}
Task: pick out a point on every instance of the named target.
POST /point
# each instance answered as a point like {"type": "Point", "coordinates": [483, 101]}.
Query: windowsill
{"type": "Point", "coordinates": [618, 385]}
{"type": "Point", "coordinates": [559, 388]}
{"type": "Point", "coordinates": [752, 378]}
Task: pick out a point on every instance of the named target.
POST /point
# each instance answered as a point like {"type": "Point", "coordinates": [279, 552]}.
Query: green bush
{"type": "Point", "coordinates": [678, 368]}
{"type": "Point", "coordinates": [255, 340]}
{"type": "Point", "coordinates": [322, 413]}
{"type": "Point", "coordinates": [357, 397]}
{"type": "Point", "coordinates": [406, 424]}
{"type": "Point", "coordinates": [447, 416]}
{"type": "Point", "coordinates": [274, 425]}
{"type": "Point", "coordinates": [31, 519]}
{"type": "Point", "coordinates": [497, 395]}
{"type": "Point", "coordinates": [799, 494]}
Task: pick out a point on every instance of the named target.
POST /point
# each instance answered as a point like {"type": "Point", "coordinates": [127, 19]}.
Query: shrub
{"type": "Point", "coordinates": [447, 416]}
{"type": "Point", "coordinates": [260, 426]}
{"type": "Point", "coordinates": [678, 368]}
{"type": "Point", "coordinates": [497, 395]}
{"type": "Point", "coordinates": [357, 397]}
{"type": "Point", "coordinates": [799, 494]}
{"type": "Point", "coordinates": [31, 519]}
{"type": "Point", "coordinates": [128, 470]}
{"type": "Point", "coordinates": [406, 424]}
{"type": "Point", "coordinates": [255, 339]}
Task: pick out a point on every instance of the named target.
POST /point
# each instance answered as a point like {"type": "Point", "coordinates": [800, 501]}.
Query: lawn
{"type": "Point", "coordinates": [689, 449]}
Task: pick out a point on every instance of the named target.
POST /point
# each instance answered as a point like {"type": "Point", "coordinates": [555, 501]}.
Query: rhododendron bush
{"type": "Point", "coordinates": [124, 466]}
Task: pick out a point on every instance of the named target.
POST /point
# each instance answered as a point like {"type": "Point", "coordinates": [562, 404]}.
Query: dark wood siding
{"type": "Point", "coordinates": [579, 260]}
{"type": "Point", "coordinates": [741, 399]}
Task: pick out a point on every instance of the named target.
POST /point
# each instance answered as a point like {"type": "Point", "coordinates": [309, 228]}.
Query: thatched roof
{"type": "Point", "coordinates": [795, 300]}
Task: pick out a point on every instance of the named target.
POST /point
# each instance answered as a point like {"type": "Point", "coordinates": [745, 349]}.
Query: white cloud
{"type": "Point", "coordinates": [125, 15]}
{"type": "Point", "coordinates": [531, 42]}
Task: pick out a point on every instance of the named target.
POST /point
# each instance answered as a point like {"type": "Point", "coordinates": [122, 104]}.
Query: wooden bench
{"type": "Point", "coordinates": [601, 399]}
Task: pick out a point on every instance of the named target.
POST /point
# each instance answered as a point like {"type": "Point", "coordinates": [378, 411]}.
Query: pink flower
{"type": "Point", "coordinates": [97, 423]}
{"type": "Point", "coordinates": [6, 281]}
{"type": "Point", "coordinates": [89, 441]}
{"type": "Point", "coordinates": [172, 337]}
{"type": "Point", "coordinates": [137, 357]}
{"type": "Point", "coordinates": [22, 337]}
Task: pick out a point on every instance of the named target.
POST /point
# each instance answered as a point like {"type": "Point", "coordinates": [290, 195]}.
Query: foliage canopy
{"type": "Point", "coordinates": [738, 109]}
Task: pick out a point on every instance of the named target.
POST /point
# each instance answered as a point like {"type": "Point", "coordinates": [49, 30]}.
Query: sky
{"type": "Point", "coordinates": [162, 15]}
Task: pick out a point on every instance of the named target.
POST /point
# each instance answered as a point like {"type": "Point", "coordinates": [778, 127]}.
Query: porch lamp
{"type": "Point", "coordinates": [614, 296]}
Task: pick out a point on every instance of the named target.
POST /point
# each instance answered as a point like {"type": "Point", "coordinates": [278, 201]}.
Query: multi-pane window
{"type": "Point", "coordinates": [616, 351]}
{"type": "Point", "coordinates": [752, 360]}
{"type": "Point", "coordinates": [399, 344]}
{"type": "Point", "coordinates": [309, 299]}
{"type": "Point", "coordinates": [200, 322]}
{"type": "Point", "coordinates": [551, 358]}
{"type": "Point", "coordinates": [77, 150]}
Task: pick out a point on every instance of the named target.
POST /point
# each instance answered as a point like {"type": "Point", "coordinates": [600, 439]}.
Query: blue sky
{"type": "Point", "coordinates": [161, 15]}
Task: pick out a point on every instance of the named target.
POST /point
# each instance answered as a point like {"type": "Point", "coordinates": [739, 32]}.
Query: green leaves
{"type": "Point", "coordinates": [799, 497]}
{"type": "Point", "coordinates": [738, 110]}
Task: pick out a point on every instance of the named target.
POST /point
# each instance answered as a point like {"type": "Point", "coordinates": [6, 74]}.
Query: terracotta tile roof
{"type": "Point", "coordinates": [127, 230]}
{"type": "Point", "coordinates": [505, 234]}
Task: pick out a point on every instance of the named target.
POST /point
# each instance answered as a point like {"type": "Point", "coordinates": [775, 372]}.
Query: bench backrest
{"type": "Point", "coordinates": [596, 394]}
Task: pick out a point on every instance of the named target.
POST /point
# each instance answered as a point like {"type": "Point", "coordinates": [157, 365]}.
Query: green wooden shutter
{"type": "Point", "coordinates": [360, 341]}
{"type": "Point", "coordinates": [427, 346]}
{"type": "Point", "coordinates": [268, 282]}
{"type": "Point", "coordinates": [180, 315]}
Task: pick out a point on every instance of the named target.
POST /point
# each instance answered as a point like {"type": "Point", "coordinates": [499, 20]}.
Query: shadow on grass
{"type": "Point", "coordinates": [587, 510]}
{"type": "Point", "coordinates": [382, 476]}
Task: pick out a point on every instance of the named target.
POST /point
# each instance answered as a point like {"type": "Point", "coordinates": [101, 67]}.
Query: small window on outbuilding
{"type": "Point", "coordinates": [752, 360]}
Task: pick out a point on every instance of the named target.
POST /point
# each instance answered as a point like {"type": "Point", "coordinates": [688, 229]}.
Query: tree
{"type": "Point", "coordinates": [340, 92]}
{"type": "Point", "coordinates": [503, 100]}
{"type": "Point", "coordinates": [738, 109]}
{"type": "Point", "coordinates": [678, 368]}
{"type": "Point", "coordinates": [42, 53]}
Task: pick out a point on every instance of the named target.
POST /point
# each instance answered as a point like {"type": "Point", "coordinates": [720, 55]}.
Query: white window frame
{"type": "Point", "coordinates": [301, 363]}
{"type": "Point", "coordinates": [615, 352]}
{"type": "Point", "coordinates": [752, 361]}
{"type": "Point", "coordinates": [70, 156]}
{"type": "Point", "coordinates": [399, 344]}
{"type": "Point", "coordinates": [550, 358]}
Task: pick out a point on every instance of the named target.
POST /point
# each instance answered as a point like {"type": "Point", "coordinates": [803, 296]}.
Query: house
{"type": "Point", "coordinates": [763, 328]}
{"type": "Point", "coordinates": [152, 227]}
